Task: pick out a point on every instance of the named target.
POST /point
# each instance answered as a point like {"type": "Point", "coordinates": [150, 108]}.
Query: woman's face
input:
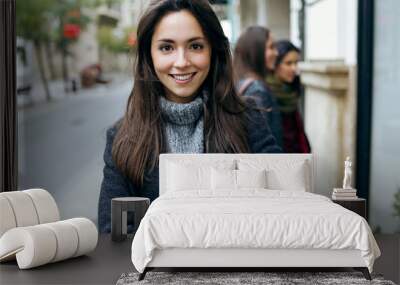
{"type": "Point", "coordinates": [181, 55]}
{"type": "Point", "coordinates": [286, 71]}
{"type": "Point", "coordinates": [270, 53]}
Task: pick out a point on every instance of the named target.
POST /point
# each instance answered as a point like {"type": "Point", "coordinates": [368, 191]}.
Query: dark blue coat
{"type": "Point", "coordinates": [260, 92]}
{"type": "Point", "coordinates": [116, 184]}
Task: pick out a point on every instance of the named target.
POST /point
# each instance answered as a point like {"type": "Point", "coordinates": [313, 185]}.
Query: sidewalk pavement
{"type": "Point", "coordinates": [36, 97]}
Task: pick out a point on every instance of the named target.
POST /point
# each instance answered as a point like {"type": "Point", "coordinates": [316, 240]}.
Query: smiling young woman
{"type": "Point", "coordinates": [181, 60]}
{"type": "Point", "coordinates": [183, 101]}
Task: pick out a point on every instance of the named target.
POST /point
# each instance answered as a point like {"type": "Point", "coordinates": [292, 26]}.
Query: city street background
{"type": "Point", "coordinates": [68, 50]}
{"type": "Point", "coordinates": [61, 144]}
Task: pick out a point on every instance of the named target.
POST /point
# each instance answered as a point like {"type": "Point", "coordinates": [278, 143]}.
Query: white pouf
{"type": "Point", "coordinates": [40, 244]}
{"type": "Point", "coordinates": [32, 233]}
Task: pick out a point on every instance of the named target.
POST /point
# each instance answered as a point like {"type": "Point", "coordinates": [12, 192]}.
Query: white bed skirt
{"type": "Point", "coordinates": [193, 257]}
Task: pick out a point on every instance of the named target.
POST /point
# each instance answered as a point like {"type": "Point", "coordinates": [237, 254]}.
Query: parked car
{"type": "Point", "coordinates": [24, 68]}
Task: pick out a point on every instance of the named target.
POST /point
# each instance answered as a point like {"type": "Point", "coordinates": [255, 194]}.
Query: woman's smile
{"type": "Point", "coordinates": [183, 78]}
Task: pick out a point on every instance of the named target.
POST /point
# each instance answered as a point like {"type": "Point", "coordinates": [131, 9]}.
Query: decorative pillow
{"type": "Point", "coordinates": [187, 174]}
{"type": "Point", "coordinates": [281, 174]}
{"type": "Point", "coordinates": [223, 179]}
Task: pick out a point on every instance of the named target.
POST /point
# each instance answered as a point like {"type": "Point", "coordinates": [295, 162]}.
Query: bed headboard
{"type": "Point", "coordinates": [210, 158]}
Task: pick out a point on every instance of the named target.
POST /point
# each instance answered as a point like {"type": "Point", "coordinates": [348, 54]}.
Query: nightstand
{"type": "Point", "coordinates": [119, 215]}
{"type": "Point", "coordinates": [358, 206]}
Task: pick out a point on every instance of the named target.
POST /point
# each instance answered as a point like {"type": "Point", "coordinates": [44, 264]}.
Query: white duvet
{"type": "Point", "coordinates": [250, 218]}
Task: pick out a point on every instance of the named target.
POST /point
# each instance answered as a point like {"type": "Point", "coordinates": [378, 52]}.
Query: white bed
{"type": "Point", "coordinates": [227, 217]}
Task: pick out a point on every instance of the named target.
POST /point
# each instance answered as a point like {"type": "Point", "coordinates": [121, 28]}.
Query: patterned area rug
{"type": "Point", "coordinates": [230, 278]}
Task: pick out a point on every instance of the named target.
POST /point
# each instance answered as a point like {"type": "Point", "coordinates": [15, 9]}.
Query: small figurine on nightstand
{"type": "Point", "coordinates": [347, 192]}
{"type": "Point", "coordinates": [347, 196]}
{"type": "Point", "coordinates": [347, 174]}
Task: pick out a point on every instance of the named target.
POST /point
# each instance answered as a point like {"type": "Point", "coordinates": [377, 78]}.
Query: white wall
{"type": "Point", "coordinates": [295, 6]}
{"type": "Point", "coordinates": [272, 14]}
{"type": "Point", "coordinates": [347, 37]}
{"type": "Point", "coordinates": [278, 18]}
{"type": "Point", "coordinates": [261, 10]}
{"type": "Point", "coordinates": [322, 30]}
{"type": "Point", "coordinates": [331, 45]}
{"type": "Point", "coordinates": [331, 29]}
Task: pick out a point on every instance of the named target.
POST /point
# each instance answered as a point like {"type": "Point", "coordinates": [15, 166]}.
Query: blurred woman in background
{"type": "Point", "coordinates": [254, 57]}
{"type": "Point", "coordinates": [286, 87]}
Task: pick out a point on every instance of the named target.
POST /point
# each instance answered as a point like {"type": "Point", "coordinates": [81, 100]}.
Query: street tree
{"type": "Point", "coordinates": [32, 22]}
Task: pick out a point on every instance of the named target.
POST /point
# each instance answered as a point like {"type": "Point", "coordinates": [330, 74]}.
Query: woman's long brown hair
{"type": "Point", "coordinates": [140, 138]}
{"type": "Point", "coordinates": [249, 54]}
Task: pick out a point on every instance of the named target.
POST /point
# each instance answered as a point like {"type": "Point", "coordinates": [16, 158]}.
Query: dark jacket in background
{"type": "Point", "coordinates": [258, 90]}
{"type": "Point", "coordinates": [287, 97]}
{"type": "Point", "coordinates": [115, 184]}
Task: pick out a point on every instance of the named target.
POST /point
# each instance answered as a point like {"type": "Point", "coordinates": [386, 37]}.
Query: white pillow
{"type": "Point", "coordinates": [225, 179]}
{"type": "Point", "coordinates": [181, 178]}
{"type": "Point", "coordinates": [291, 179]}
{"type": "Point", "coordinates": [284, 174]}
{"type": "Point", "coordinates": [251, 178]}
{"type": "Point", "coordinates": [189, 174]}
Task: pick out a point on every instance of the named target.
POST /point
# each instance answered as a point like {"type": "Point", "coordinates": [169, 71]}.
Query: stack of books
{"type": "Point", "coordinates": [344, 194]}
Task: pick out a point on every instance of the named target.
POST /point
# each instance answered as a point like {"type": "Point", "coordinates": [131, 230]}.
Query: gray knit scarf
{"type": "Point", "coordinates": [183, 125]}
